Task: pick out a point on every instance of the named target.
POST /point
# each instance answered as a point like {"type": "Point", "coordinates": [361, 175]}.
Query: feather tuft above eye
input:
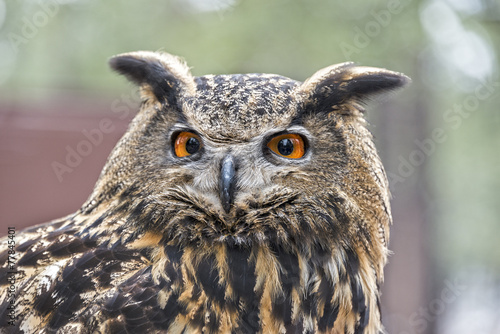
{"type": "Point", "coordinates": [164, 75]}
{"type": "Point", "coordinates": [337, 85]}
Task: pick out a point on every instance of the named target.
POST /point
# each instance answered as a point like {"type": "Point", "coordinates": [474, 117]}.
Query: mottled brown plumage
{"type": "Point", "coordinates": [231, 238]}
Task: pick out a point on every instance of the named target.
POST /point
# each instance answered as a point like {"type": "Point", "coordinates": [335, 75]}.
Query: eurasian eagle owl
{"type": "Point", "coordinates": [249, 203]}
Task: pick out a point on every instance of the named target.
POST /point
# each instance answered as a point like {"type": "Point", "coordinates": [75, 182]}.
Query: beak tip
{"type": "Point", "coordinates": [226, 207]}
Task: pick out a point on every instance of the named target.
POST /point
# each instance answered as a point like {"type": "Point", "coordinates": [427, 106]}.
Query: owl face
{"type": "Point", "coordinates": [250, 159]}
{"type": "Point", "coordinates": [242, 141]}
{"type": "Point", "coordinates": [233, 122]}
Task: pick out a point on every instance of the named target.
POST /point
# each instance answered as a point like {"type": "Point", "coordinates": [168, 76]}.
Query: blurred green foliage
{"type": "Point", "coordinates": [293, 38]}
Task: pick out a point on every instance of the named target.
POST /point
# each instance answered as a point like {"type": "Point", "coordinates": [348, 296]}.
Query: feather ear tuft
{"type": "Point", "coordinates": [337, 85]}
{"type": "Point", "coordinates": [162, 74]}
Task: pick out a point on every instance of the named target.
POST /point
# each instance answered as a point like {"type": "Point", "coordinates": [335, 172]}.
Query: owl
{"type": "Point", "coordinates": [247, 203]}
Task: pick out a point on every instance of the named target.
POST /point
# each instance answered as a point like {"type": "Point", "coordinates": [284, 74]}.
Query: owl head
{"type": "Point", "coordinates": [250, 159]}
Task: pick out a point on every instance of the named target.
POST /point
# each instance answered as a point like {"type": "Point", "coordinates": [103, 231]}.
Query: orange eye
{"type": "Point", "coordinates": [186, 143]}
{"type": "Point", "coordinates": [288, 145]}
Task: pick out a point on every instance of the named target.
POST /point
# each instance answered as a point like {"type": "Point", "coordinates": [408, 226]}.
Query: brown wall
{"type": "Point", "coordinates": [35, 141]}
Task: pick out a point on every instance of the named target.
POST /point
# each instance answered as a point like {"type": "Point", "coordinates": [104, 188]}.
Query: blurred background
{"type": "Point", "coordinates": [62, 110]}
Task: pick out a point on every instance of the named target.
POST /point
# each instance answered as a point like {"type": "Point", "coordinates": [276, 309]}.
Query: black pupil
{"type": "Point", "coordinates": [192, 145]}
{"type": "Point", "coordinates": [285, 147]}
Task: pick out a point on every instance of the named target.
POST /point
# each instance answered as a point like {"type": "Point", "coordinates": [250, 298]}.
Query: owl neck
{"type": "Point", "coordinates": [271, 289]}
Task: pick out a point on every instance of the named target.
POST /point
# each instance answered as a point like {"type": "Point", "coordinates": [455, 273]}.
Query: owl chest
{"type": "Point", "coordinates": [255, 293]}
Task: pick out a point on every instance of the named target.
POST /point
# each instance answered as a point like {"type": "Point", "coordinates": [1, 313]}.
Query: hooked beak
{"type": "Point", "coordinates": [227, 182]}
